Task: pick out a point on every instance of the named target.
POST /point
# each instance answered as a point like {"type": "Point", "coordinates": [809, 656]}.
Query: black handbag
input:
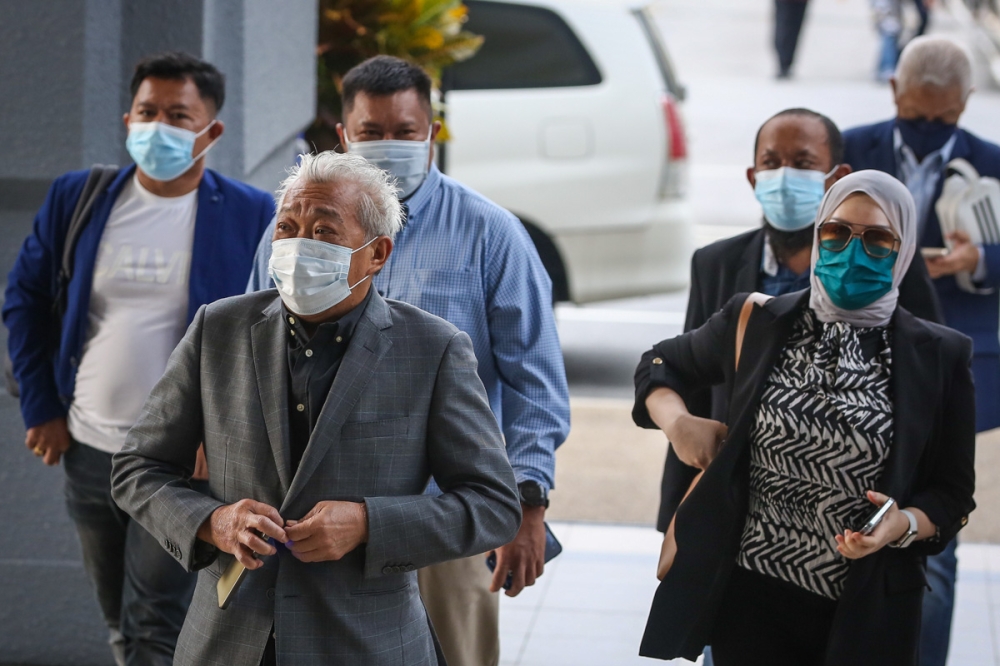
{"type": "Point", "coordinates": [98, 179]}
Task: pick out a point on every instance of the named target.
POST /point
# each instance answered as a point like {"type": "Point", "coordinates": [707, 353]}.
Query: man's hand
{"type": "Point", "coordinates": [524, 557]}
{"type": "Point", "coordinates": [328, 532]}
{"type": "Point", "coordinates": [49, 440]}
{"type": "Point", "coordinates": [962, 258]}
{"type": "Point", "coordinates": [237, 528]}
{"type": "Point", "coordinates": [696, 441]}
{"type": "Point", "coordinates": [854, 545]}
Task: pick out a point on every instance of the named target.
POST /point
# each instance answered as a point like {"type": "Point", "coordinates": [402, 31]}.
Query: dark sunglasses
{"type": "Point", "coordinates": [878, 242]}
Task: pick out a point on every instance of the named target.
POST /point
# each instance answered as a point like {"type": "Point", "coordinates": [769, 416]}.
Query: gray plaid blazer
{"type": "Point", "coordinates": [406, 405]}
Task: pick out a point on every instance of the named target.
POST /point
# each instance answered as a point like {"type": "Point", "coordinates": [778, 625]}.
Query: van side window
{"type": "Point", "coordinates": [524, 47]}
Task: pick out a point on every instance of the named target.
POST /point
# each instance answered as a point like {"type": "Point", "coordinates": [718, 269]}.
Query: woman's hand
{"type": "Point", "coordinates": [855, 545]}
{"type": "Point", "coordinates": [696, 441]}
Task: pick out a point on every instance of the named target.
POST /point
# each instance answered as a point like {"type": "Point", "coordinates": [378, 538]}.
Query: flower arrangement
{"type": "Point", "coordinates": [428, 33]}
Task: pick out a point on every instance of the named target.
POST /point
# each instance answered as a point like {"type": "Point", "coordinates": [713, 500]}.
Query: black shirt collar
{"type": "Point", "coordinates": [342, 328]}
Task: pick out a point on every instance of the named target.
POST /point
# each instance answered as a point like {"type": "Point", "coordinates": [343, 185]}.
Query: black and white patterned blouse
{"type": "Point", "coordinates": [819, 441]}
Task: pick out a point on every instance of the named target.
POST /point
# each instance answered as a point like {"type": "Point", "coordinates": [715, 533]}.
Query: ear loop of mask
{"type": "Point", "coordinates": [349, 287]}
{"type": "Point", "coordinates": [214, 141]}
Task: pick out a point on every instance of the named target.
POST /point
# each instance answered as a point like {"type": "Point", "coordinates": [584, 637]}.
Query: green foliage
{"type": "Point", "coordinates": [428, 33]}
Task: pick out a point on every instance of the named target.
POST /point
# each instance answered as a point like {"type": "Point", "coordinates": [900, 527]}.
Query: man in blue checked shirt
{"type": "Point", "coordinates": [463, 258]}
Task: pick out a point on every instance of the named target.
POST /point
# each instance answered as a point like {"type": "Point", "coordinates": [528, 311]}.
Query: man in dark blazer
{"type": "Point", "coordinates": [769, 260]}
{"type": "Point", "coordinates": [324, 411]}
{"type": "Point", "coordinates": [931, 87]}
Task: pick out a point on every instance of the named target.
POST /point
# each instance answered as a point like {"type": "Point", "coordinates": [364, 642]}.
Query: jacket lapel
{"type": "Point", "coordinates": [882, 151]}
{"type": "Point", "coordinates": [748, 273]}
{"type": "Point", "coordinates": [914, 386]}
{"type": "Point", "coordinates": [271, 366]}
{"type": "Point", "coordinates": [767, 331]}
{"type": "Point", "coordinates": [367, 348]}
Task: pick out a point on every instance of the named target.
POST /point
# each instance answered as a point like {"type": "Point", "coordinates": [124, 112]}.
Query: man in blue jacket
{"type": "Point", "coordinates": [931, 87]}
{"type": "Point", "coordinates": [166, 236]}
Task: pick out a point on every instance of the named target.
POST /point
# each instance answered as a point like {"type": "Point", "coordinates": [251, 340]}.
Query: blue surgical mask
{"type": "Point", "coordinates": [791, 197]}
{"type": "Point", "coordinates": [162, 151]}
{"type": "Point", "coordinates": [924, 136]}
{"type": "Point", "coordinates": [852, 278]}
{"type": "Point", "coordinates": [406, 161]}
{"type": "Point", "coordinates": [311, 275]}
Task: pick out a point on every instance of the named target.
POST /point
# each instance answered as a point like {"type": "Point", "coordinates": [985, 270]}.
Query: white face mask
{"type": "Point", "coordinates": [311, 275]}
{"type": "Point", "coordinates": [406, 161]}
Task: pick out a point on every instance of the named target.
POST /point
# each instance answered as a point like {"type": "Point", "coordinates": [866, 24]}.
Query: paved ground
{"type": "Point", "coordinates": [589, 609]}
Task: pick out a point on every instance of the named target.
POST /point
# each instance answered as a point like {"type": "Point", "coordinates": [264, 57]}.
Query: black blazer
{"type": "Point", "coordinates": [930, 466]}
{"type": "Point", "coordinates": [718, 272]}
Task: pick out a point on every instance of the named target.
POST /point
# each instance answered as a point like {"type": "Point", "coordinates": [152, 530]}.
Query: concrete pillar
{"type": "Point", "coordinates": [65, 67]}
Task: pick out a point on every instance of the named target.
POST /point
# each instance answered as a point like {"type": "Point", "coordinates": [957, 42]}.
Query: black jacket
{"type": "Point", "coordinates": [729, 267]}
{"type": "Point", "coordinates": [930, 466]}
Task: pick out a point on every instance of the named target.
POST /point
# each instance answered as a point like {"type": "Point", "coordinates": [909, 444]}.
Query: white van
{"type": "Point", "coordinates": [569, 117]}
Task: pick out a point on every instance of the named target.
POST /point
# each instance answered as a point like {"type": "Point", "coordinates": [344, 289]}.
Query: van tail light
{"type": "Point", "coordinates": [675, 129]}
{"type": "Point", "coordinates": [673, 182]}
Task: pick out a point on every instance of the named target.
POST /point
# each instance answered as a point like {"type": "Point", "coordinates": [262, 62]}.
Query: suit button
{"type": "Point", "coordinates": [270, 593]}
{"type": "Point", "coordinates": [657, 361]}
{"type": "Point", "coordinates": [965, 521]}
{"type": "Point", "coordinates": [387, 570]}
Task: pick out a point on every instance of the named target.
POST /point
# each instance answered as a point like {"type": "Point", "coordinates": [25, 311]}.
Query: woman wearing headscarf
{"type": "Point", "coordinates": [841, 401]}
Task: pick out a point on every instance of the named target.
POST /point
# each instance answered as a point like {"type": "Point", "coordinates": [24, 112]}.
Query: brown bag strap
{"type": "Point", "coordinates": [756, 298]}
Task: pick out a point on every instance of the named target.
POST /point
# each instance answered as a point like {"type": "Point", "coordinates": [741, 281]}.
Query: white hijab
{"type": "Point", "coordinates": [897, 204]}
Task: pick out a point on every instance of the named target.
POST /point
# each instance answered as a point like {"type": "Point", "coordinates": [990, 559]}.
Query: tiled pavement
{"type": "Point", "coordinates": [589, 609]}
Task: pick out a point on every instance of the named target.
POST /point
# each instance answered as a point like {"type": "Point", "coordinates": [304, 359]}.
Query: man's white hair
{"type": "Point", "coordinates": [379, 211]}
{"type": "Point", "coordinates": [934, 61]}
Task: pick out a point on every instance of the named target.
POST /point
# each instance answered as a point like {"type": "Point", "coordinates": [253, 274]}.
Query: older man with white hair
{"type": "Point", "coordinates": [932, 84]}
{"type": "Point", "coordinates": [324, 411]}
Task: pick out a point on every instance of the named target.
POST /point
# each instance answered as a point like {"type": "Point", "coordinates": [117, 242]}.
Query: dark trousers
{"type": "Point", "coordinates": [143, 591]}
{"type": "Point", "coordinates": [925, 17]}
{"type": "Point", "coordinates": [788, 17]}
{"type": "Point", "coordinates": [938, 607]}
{"type": "Point", "coordinates": [766, 622]}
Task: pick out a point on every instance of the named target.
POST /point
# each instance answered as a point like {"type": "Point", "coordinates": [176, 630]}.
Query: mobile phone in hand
{"type": "Point", "coordinates": [552, 548]}
{"type": "Point", "coordinates": [876, 517]}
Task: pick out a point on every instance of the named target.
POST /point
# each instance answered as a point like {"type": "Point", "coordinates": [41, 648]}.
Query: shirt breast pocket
{"type": "Point", "coordinates": [449, 294]}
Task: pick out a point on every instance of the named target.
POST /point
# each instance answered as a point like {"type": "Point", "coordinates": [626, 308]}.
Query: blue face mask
{"type": "Point", "coordinates": [163, 152]}
{"type": "Point", "coordinates": [924, 136]}
{"type": "Point", "coordinates": [852, 278]}
{"type": "Point", "coordinates": [791, 197]}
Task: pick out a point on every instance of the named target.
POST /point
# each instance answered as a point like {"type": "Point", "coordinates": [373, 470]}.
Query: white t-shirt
{"type": "Point", "coordinates": [138, 312]}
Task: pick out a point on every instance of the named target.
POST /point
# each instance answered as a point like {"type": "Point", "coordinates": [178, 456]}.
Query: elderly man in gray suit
{"type": "Point", "coordinates": [324, 410]}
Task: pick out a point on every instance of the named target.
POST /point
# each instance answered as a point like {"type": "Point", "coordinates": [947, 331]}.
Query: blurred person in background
{"type": "Point", "coordinates": [888, 16]}
{"type": "Point", "coordinates": [798, 155]}
{"type": "Point", "coordinates": [841, 400]}
{"type": "Point", "coordinates": [931, 87]}
{"type": "Point", "coordinates": [788, 18]}
{"type": "Point", "coordinates": [149, 257]}
{"type": "Point", "coordinates": [469, 261]}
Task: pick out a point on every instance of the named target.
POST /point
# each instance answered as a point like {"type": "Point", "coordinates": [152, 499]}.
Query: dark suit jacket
{"type": "Point", "coordinates": [976, 315]}
{"type": "Point", "coordinates": [718, 272]}
{"type": "Point", "coordinates": [406, 405]}
{"type": "Point", "coordinates": [930, 466]}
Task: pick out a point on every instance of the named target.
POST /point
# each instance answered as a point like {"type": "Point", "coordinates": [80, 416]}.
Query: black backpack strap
{"type": "Point", "coordinates": [98, 179]}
